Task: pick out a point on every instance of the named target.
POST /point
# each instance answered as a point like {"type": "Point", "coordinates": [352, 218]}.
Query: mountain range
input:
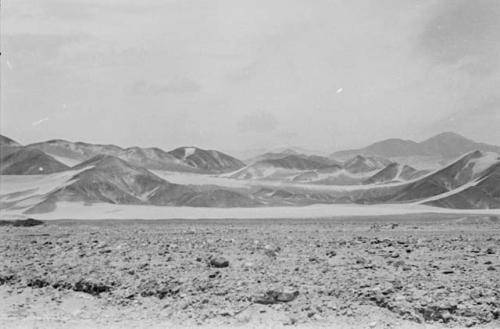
{"type": "Point", "coordinates": [184, 159]}
{"type": "Point", "coordinates": [432, 152]}
{"type": "Point", "coordinates": [108, 179]}
{"type": "Point", "coordinates": [66, 171]}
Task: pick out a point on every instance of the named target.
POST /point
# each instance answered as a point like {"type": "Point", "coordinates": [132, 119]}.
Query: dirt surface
{"type": "Point", "coordinates": [414, 271]}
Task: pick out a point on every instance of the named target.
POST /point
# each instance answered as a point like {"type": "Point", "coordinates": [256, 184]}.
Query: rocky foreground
{"type": "Point", "coordinates": [389, 272]}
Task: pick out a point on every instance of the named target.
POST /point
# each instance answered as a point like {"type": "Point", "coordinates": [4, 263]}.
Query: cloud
{"type": "Point", "coordinates": [258, 122]}
{"type": "Point", "coordinates": [315, 72]}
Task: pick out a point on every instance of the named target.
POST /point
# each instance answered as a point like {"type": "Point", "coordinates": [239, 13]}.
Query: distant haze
{"type": "Point", "coordinates": [241, 75]}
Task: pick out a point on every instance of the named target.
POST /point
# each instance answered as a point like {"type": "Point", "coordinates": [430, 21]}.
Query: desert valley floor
{"type": "Point", "coordinates": [411, 271]}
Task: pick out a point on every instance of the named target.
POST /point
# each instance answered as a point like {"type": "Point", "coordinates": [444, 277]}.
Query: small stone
{"type": "Point", "coordinates": [273, 297]}
{"type": "Point", "coordinates": [219, 262]}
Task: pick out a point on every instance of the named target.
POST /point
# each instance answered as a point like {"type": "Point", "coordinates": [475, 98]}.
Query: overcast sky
{"type": "Point", "coordinates": [234, 74]}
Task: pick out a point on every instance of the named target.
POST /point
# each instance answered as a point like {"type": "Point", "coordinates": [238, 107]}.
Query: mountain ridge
{"type": "Point", "coordinates": [446, 145]}
{"type": "Point", "coordinates": [149, 157]}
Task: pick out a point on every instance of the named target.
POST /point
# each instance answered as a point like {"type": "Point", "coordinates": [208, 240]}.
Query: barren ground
{"type": "Point", "coordinates": [410, 271]}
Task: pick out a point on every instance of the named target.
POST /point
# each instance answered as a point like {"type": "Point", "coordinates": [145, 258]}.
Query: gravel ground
{"type": "Point", "coordinates": [415, 271]}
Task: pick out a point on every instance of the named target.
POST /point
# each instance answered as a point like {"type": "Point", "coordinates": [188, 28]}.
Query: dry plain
{"type": "Point", "coordinates": [400, 271]}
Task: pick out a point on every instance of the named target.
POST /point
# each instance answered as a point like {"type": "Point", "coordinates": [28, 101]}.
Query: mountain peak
{"type": "Point", "coordinates": [206, 160]}
{"type": "Point", "coordinates": [447, 135]}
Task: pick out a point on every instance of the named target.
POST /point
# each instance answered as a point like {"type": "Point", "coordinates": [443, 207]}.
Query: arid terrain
{"type": "Point", "coordinates": [411, 271]}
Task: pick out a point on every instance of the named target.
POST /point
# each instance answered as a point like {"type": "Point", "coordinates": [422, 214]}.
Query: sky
{"type": "Point", "coordinates": [239, 75]}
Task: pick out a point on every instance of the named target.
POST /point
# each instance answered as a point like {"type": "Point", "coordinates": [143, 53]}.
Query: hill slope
{"type": "Point", "coordinates": [25, 161]}
{"type": "Point", "coordinates": [6, 141]}
{"type": "Point", "coordinates": [472, 177]}
{"type": "Point", "coordinates": [484, 193]}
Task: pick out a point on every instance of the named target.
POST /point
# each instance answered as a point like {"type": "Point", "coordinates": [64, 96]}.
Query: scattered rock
{"type": "Point", "coordinates": [219, 262]}
{"type": "Point", "coordinates": [274, 296]}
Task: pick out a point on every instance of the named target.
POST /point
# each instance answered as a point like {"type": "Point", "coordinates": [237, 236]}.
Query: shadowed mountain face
{"type": "Point", "coordinates": [475, 173]}
{"type": "Point", "coordinates": [466, 169]}
{"type": "Point", "coordinates": [109, 179]}
{"type": "Point", "coordinates": [25, 161]}
{"type": "Point", "coordinates": [206, 160]}
{"type": "Point", "coordinates": [483, 194]}
{"type": "Point", "coordinates": [446, 145]}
